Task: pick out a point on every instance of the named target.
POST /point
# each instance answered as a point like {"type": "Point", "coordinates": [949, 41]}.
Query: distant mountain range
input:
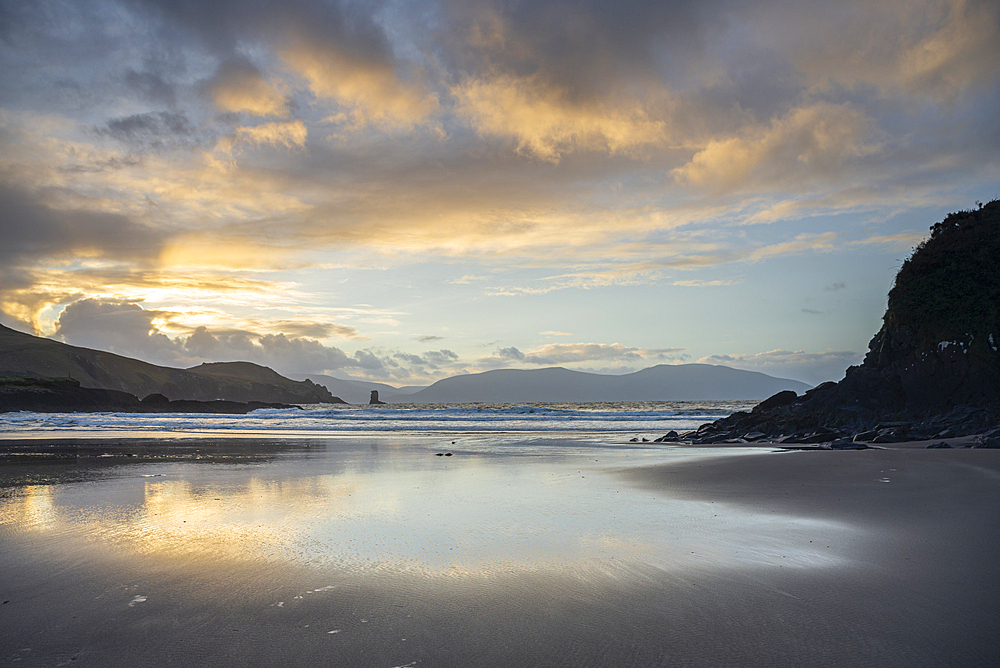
{"type": "Point", "coordinates": [26, 355]}
{"type": "Point", "coordinates": [680, 382]}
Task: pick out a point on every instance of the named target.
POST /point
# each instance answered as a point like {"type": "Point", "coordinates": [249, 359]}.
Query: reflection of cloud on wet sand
{"type": "Point", "coordinates": [399, 509]}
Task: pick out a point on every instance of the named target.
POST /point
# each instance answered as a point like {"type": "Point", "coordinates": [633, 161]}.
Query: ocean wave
{"type": "Point", "coordinates": [584, 417]}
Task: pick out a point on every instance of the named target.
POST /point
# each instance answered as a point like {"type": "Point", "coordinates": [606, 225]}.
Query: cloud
{"type": "Point", "coordinates": [432, 360]}
{"type": "Point", "coordinates": [127, 328]}
{"type": "Point", "coordinates": [833, 287]}
{"type": "Point", "coordinates": [366, 88]}
{"type": "Point", "coordinates": [148, 127]}
{"type": "Point", "coordinates": [571, 353]}
{"type": "Point", "coordinates": [939, 48]}
{"type": "Point", "coordinates": [816, 141]}
{"type": "Point", "coordinates": [813, 368]}
{"type": "Point", "coordinates": [901, 241]}
{"type": "Point", "coordinates": [238, 86]}
{"type": "Point", "coordinates": [695, 283]}
{"type": "Point", "coordinates": [574, 353]}
{"type": "Point", "coordinates": [429, 337]}
{"type": "Point", "coordinates": [555, 333]}
{"type": "Point", "coordinates": [545, 123]}
{"type": "Point", "coordinates": [287, 134]}
{"type": "Point", "coordinates": [34, 233]}
{"type": "Point", "coordinates": [441, 357]}
{"type": "Point", "coordinates": [120, 327]}
{"type": "Point", "coordinates": [151, 86]}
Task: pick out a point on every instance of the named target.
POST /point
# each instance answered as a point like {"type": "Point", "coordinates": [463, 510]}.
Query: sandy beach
{"type": "Point", "coordinates": [514, 551]}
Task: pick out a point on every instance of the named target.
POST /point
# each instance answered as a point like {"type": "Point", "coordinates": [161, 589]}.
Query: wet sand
{"type": "Point", "coordinates": [558, 552]}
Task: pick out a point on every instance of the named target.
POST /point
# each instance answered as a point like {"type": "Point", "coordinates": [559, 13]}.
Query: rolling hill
{"type": "Point", "coordinates": [27, 355]}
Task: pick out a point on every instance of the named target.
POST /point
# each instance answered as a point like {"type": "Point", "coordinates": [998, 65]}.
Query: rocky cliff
{"type": "Point", "coordinates": [933, 369]}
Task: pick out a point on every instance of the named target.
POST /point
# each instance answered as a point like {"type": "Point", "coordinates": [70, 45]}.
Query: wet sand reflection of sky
{"type": "Point", "coordinates": [393, 507]}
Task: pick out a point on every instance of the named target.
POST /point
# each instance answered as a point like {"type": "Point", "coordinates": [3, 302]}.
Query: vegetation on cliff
{"type": "Point", "coordinates": [949, 289]}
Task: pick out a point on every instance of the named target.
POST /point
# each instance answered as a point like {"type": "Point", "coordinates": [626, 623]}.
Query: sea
{"type": "Point", "coordinates": [640, 418]}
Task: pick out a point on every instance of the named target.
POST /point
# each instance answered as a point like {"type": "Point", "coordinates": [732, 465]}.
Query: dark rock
{"type": "Point", "coordinates": [820, 437]}
{"type": "Point", "coordinates": [670, 436]}
{"type": "Point", "coordinates": [782, 398]}
{"type": "Point", "coordinates": [989, 442]}
{"type": "Point", "coordinates": [154, 400]}
{"type": "Point", "coordinates": [374, 401]}
{"type": "Point", "coordinates": [939, 446]}
{"type": "Point", "coordinates": [845, 444]}
{"type": "Point", "coordinates": [889, 436]}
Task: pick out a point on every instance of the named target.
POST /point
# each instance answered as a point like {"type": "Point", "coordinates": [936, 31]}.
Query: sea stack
{"type": "Point", "coordinates": [375, 400]}
{"type": "Point", "coordinates": [933, 369]}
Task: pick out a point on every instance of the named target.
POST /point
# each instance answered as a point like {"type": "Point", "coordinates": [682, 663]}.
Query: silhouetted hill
{"type": "Point", "coordinates": [682, 382]}
{"type": "Point", "coordinates": [27, 355]}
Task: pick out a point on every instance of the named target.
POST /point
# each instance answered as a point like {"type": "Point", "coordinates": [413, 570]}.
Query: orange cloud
{"type": "Point", "coordinates": [240, 87]}
{"type": "Point", "coordinates": [546, 123]}
{"type": "Point", "coordinates": [369, 90]}
{"type": "Point", "coordinates": [807, 143]}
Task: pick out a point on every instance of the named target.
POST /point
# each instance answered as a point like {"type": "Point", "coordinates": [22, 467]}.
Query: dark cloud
{"type": "Point", "coordinates": [415, 360]}
{"type": "Point", "coordinates": [150, 127]}
{"type": "Point", "coordinates": [429, 337]}
{"type": "Point", "coordinates": [588, 48]}
{"type": "Point", "coordinates": [441, 357]}
{"type": "Point", "coordinates": [432, 360]}
{"type": "Point", "coordinates": [224, 26]}
{"type": "Point", "coordinates": [510, 353]}
{"type": "Point", "coordinates": [32, 232]}
{"type": "Point", "coordinates": [120, 327]}
{"type": "Point", "coordinates": [369, 361]}
{"type": "Point", "coordinates": [127, 328]}
{"type": "Point", "coordinates": [151, 86]}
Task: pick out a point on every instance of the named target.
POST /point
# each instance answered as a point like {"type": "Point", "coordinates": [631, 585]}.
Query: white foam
{"type": "Point", "coordinates": [595, 417]}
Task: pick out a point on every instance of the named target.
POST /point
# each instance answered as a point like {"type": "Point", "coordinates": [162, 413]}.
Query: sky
{"type": "Point", "coordinates": [406, 191]}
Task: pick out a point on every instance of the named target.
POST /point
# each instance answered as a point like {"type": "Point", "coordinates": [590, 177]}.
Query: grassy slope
{"type": "Point", "coordinates": [26, 355]}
